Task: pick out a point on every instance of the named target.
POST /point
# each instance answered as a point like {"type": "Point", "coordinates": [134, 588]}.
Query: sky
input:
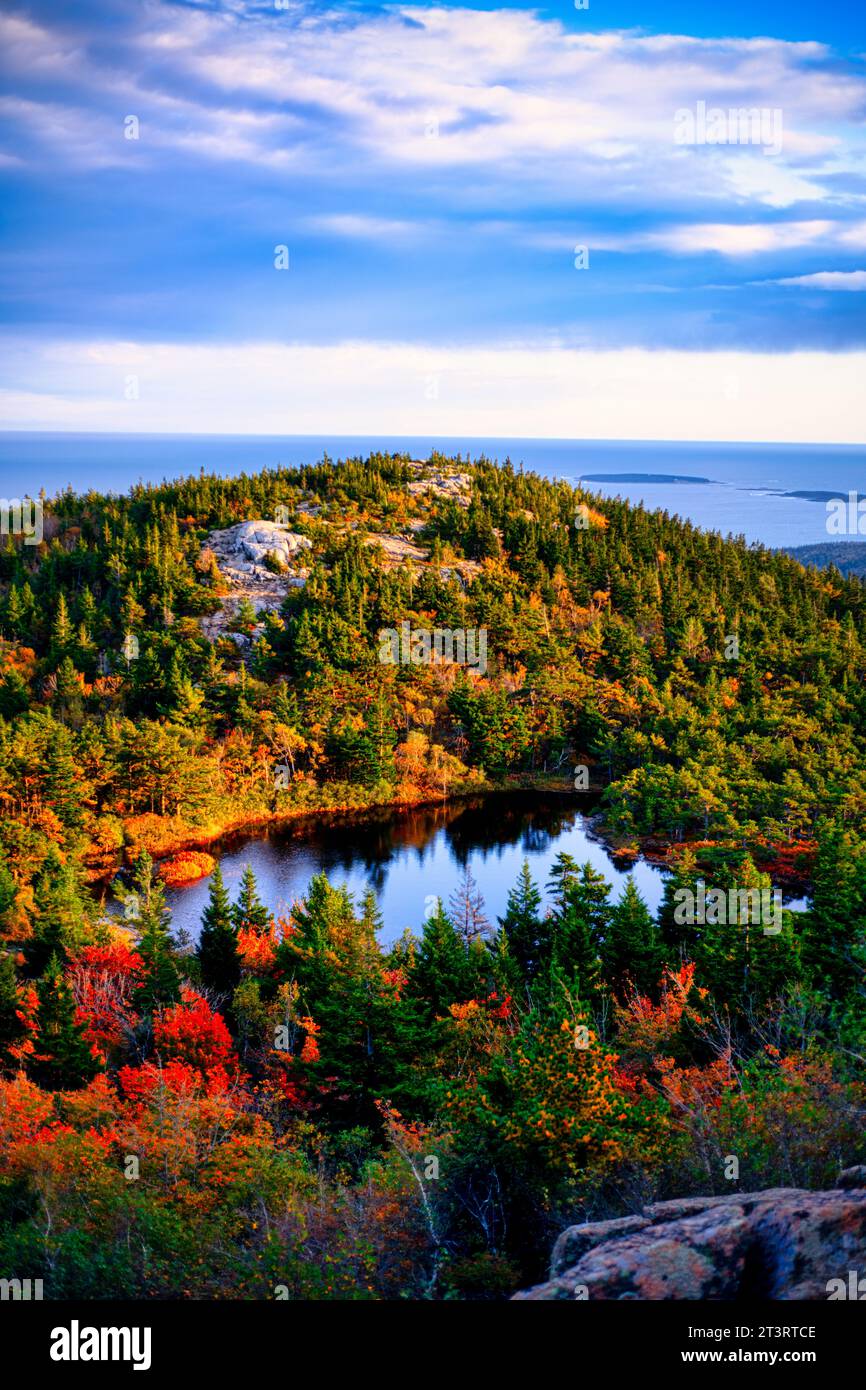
{"type": "Point", "coordinates": [488, 219]}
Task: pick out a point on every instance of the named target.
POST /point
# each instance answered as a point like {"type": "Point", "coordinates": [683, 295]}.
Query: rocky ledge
{"type": "Point", "coordinates": [457, 486]}
{"type": "Point", "coordinates": [783, 1243]}
{"type": "Point", "coordinates": [240, 552]}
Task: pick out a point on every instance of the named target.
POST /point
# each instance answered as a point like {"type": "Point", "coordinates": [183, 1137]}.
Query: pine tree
{"type": "Point", "coordinates": [249, 912]}
{"type": "Point", "coordinates": [59, 918]}
{"type": "Point", "coordinates": [529, 940]}
{"type": "Point", "coordinates": [442, 972]}
{"type": "Point", "coordinates": [64, 1059]}
{"type": "Point", "coordinates": [678, 939]}
{"type": "Point", "coordinates": [16, 613]}
{"type": "Point", "coordinates": [148, 682]}
{"type": "Point", "coordinates": [218, 942]}
{"type": "Point", "coordinates": [629, 952]}
{"type": "Point", "coordinates": [68, 701]}
{"type": "Point", "coordinates": [8, 889]}
{"type": "Point", "coordinates": [334, 960]}
{"type": "Point", "coordinates": [14, 694]}
{"type": "Point", "coordinates": [579, 927]}
{"type": "Point", "coordinates": [12, 1028]}
{"type": "Point", "coordinates": [61, 628]}
{"type": "Point", "coordinates": [181, 701]}
{"type": "Point", "coordinates": [325, 936]}
{"type": "Point", "coordinates": [246, 617]}
{"type": "Point", "coordinates": [738, 961]}
{"type": "Point", "coordinates": [145, 911]}
{"type": "Point", "coordinates": [835, 926]}
{"type": "Point", "coordinates": [371, 918]}
{"type": "Point", "coordinates": [62, 784]}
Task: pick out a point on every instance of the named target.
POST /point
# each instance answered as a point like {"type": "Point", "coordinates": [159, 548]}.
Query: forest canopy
{"type": "Point", "coordinates": [287, 1102]}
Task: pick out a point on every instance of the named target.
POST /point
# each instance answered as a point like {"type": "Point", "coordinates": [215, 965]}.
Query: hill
{"type": "Point", "coordinates": [292, 1108]}
{"type": "Point", "coordinates": [711, 688]}
{"type": "Point", "coordinates": [848, 557]}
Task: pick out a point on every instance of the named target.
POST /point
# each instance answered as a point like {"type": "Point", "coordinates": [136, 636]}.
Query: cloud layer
{"type": "Point", "coordinates": [406, 388]}
{"type": "Point", "coordinates": [433, 173]}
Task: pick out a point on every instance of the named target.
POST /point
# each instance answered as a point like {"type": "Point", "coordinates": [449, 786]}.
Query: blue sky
{"type": "Point", "coordinates": [432, 170]}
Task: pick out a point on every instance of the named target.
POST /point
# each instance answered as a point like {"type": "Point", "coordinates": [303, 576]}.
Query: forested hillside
{"type": "Point", "coordinates": [607, 642]}
{"type": "Point", "coordinates": [288, 1105]}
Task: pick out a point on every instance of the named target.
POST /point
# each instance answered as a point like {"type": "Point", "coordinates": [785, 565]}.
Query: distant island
{"type": "Point", "coordinates": [641, 478]}
{"type": "Point", "coordinates": [816, 494]}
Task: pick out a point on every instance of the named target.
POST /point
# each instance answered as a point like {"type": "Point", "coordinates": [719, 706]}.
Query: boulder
{"type": "Point", "coordinates": [777, 1244]}
{"type": "Point", "coordinates": [258, 539]}
{"type": "Point", "coordinates": [240, 552]}
{"type": "Point", "coordinates": [577, 1240]}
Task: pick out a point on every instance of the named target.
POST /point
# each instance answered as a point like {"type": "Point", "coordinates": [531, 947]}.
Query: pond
{"type": "Point", "coordinates": [409, 857]}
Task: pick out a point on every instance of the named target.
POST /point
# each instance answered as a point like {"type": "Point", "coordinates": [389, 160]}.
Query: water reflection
{"type": "Point", "coordinates": [408, 857]}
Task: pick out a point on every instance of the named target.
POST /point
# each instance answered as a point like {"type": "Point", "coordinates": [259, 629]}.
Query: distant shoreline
{"type": "Point", "coordinates": [641, 478]}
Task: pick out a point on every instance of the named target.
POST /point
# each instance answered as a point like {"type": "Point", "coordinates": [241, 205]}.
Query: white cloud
{"type": "Point", "coordinates": [522, 390]}
{"type": "Point", "coordinates": [522, 100]}
{"type": "Point", "coordinates": [27, 46]}
{"type": "Point", "coordinates": [754, 178]}
{"type": "Point", "coordinates": [739, 239]}
{"type": "Point", "coordinates": [828, 280]}
{"type": "Point", "coordinates": [733, 239]}
{"type": "Point", "coordinates": [360, 227]}
{"type": "Point", "coordinates": [853, 235]}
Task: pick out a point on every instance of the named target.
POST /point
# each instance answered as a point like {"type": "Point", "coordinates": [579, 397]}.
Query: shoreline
{"type": "Point", "coordinates": [190, 839]}
{"type": "Point", "coordinates": [654, 849]}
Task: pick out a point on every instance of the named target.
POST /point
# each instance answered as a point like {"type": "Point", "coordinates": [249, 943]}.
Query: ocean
{"type": "Point", "coordinates": [738, 489]}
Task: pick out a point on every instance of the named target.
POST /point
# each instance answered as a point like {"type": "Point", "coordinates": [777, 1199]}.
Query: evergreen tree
{"type": "Point", "coordinates": [335, 961]}
{"type": "Point", "coordinates": [371, 918]}
{"type": "Point", "coordinates": [181, 701]}
{"type": "Point", "coordinates": [61, 628]}
{"type": "Point", "coordinates": [146, 912]}
{"type": "Point", "coordinates": [63, 1059]}
{"type": "Point", "coordinates": [249, 912]}
{"type": "Point", "coordinates": [629, 951]}
{"type": "Point", "coordinates": [835, 926]}
{"type": "Point", "coordinates": [442, 971]}
{"type": "Point", "coordinates": [8, 890]}
{"type": "Point", "coordinates": [218, 942]}
{"type": "Point", "coordinates": [62, 783]}
{"type": "Point", "coordinates": [528, 936]}
{"type": "Point", "coordinates": [59, 918]}
{"type": "Point", "coordinates": [14, 694]}
{"type": "Point", "coordinates": [12, 1028]}
{"type": "Point", "coordinates": [678, 939]}
{"type": "Point", "coordinates": [739, 961]}
{"type": "Point", "coordinates": [579, 927]}
{"type": "Point", "coordinates": [68, 701]}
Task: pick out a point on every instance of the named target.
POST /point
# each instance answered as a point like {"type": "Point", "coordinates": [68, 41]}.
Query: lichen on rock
{"type": "Point", "coordinates": [778, 1244]}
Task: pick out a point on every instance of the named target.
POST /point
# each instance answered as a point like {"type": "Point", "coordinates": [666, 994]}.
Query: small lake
{"type": "Point", "coordinates": [410, 857]}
